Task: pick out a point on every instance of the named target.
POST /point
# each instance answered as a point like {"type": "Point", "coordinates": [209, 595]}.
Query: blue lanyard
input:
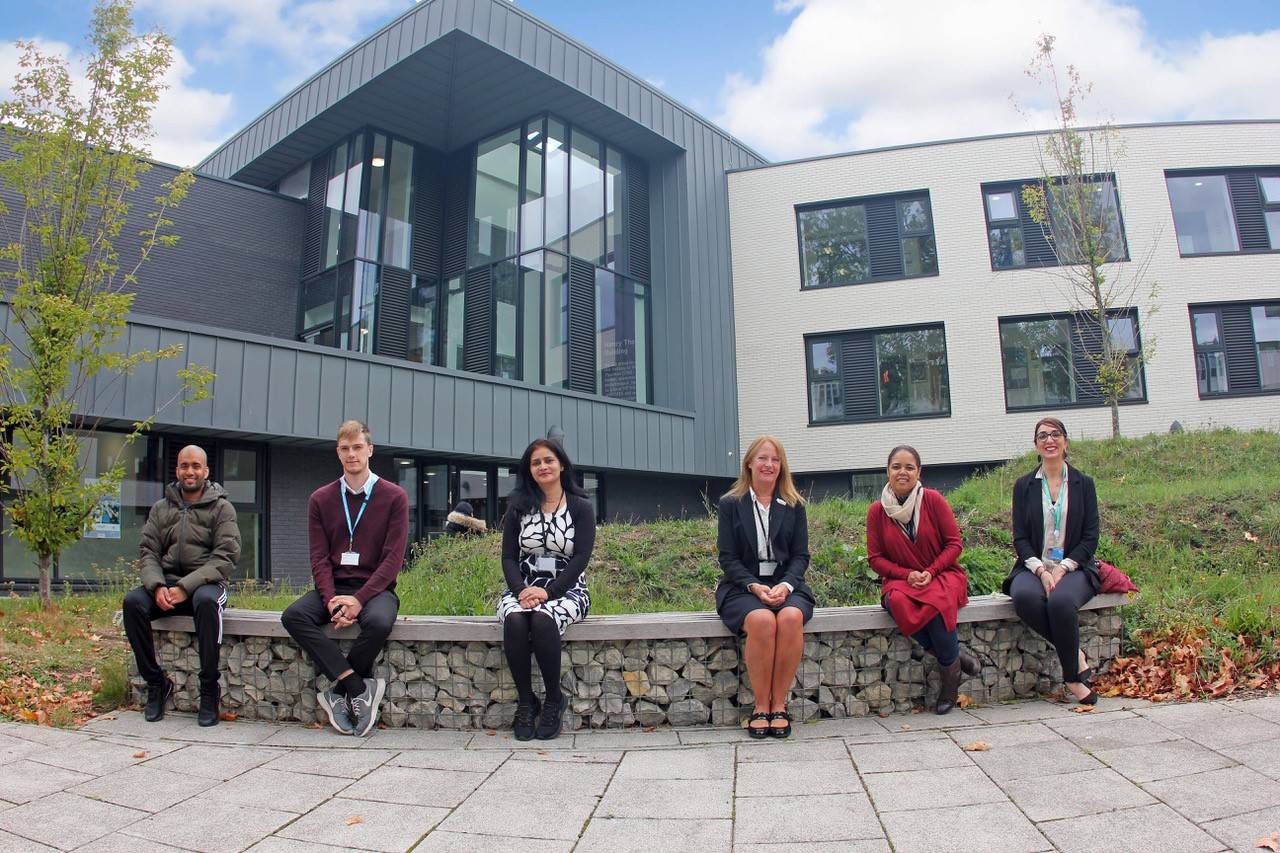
{"type": "Point", "coordinates": [1054, 508]}
{"type": "Point", "coordinates": [351, 528]}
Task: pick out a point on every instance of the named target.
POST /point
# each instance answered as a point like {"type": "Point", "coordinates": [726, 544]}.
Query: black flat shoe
{"type": "Point", "coordinates": [758, 732]}
{"type": "Point", "coordinates": [779, 731]}
{"type": "Point", "coordinates": [1091, 699]}
{"type": "Point", "coordinates": [548, 726]}
{"type": "Point", "coordinates": [524, 721]}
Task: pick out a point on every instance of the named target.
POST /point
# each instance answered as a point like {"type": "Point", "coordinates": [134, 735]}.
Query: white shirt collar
{"type": "Point", "coordinates": [1040, 472]}
{"type": "Point", "coordinates": [757, 500]}
{"type": "Point", "coordinates": [368, 484]}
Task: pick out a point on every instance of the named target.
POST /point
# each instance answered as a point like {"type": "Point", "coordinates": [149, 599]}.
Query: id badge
{"type": "Point", "coordinates": [350, 558]}
{"type": "Point", "coordinates": [546, 565]}
{"type": "Point", "coordinates": [767, 568]}
{"type": "Point", "coordinates": [1055, 554]}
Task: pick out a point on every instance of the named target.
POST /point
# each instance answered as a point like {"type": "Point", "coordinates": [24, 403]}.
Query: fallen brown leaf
{"type": "Point", "coordinates": [648, 729]}
{"type": "Point", "coordinates": [227, 716]}
{"type": "Point", "coordinates": [977, 746]}
{"type": "Point", "coordinates": [491, 733]}
{"type": "Point", "coordinates": [1083, 709]}
{"type": "Point", "coordinates": [1249, 537]}
{"type": "Point", "coordinates": [353, 820]}
{"type": "Point", "coordinates": [1270, 842]}
{"type": "Point", "coordinates": [139, 754]}
{"type": "Point", "coordinates": [964, 701]}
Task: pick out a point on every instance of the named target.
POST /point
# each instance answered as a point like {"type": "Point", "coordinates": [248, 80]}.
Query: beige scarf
{"type": "Point", "coordinates": [905, 512]}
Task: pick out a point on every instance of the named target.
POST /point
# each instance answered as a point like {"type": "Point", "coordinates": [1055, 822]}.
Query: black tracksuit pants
{"type": "Point", "coordinates": [205, 606]}
{"type": "Point", "coordinates": [306, 618]}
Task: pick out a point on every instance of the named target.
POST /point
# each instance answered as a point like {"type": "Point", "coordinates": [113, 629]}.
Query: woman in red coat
{"type": "Point", "coordinates": [913, 544]}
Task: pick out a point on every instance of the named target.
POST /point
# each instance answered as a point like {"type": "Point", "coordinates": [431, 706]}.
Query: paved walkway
{"type": "Point", "coordinates": [1128, 777]}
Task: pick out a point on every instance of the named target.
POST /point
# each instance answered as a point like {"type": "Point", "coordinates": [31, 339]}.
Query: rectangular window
{"type": "Point", "coordinates": [877, 238]}
{"type": "Point", "coordinates": [1269, 185]}
{"type": "Point", "coordinates": [495, 204]}
{"type": "Point", "coordinates": [532, 202]}
{"type": "Point", "coordinates": [555, 335]}
{"type": "Point", "coordinates": [351, 199]}
{"type": "Point", "coordinates": [878, 374]}
{"type": "Point", "coordinates": [1237, 348]}
{"type": "Point", "coordinates": [1211, 360]}
{"type": "Point", "coordinates": [333, 196]}
{"type": "Point", "coordinates": [423, 297]}
{"type": "Point", "coordinates": [506, 288]}
{"type": "Point", "coordinates": [397, 242]}
{"type": "Point", "coordinates": [1266, 336]}
{"type": "Point", "coordinates": [586, 199]}
{"type": "Point", "coordinates": [1084, 218]}
{"type": "Point", "coordinates": [1202, 214]}
{"type": "Point", "coordinates": [1052, 361]}
{"type": "Point", "coordinates": [622, 358]}
{"type": "Point", "coordinates": [455, 298]}
{"type": "Point", "coordinates": [369, 223]}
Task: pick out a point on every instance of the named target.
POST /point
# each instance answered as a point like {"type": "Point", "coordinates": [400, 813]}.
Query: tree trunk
{"type": "Point", "coordinates": [46, 601]}
{"type": "Point", "coordinates": [1115, 419]}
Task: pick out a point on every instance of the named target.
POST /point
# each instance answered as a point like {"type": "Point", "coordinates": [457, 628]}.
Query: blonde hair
{"type": "Point", "coordinates": [786, 486]}
{"type": "Point", "coordinates": [349, 429]}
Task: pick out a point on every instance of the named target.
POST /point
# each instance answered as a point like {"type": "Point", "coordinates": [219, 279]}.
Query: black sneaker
{"type": "Point", "coordinates": [524, 722]}
{"type": "Point", "coordinates": [549, 720]}
{"type": "Point", "coordinates": [364, 708]}
{"type": "Point", "coordinates": [157, 697]}
{"type": "Point", "coordinates": [208, 713]}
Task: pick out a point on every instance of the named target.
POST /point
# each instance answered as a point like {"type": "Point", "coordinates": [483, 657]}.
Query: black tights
{"type": "Point", "coordinates": [536, 632]}
{"type": "Point", "coordinates": [1054, 617]}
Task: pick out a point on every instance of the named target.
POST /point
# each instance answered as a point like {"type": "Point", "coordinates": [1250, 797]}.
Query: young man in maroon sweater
{"type": "Point", "coordinates": [356, 531]}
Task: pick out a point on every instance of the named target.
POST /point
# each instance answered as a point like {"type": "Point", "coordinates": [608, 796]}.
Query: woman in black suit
{"type": "Point", "coordinates": [1055, 532]}
{"type": "Point", "coordinates": [764, 551]}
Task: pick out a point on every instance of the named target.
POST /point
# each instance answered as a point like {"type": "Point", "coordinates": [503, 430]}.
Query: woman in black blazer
{"type": "Point", "coordinates": [1055, 573]}
{"type": "Point", "coordinates": [764, 552]}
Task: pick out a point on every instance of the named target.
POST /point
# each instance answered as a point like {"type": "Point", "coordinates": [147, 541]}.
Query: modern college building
{"type": "Point", "coordinates": [469, 231]}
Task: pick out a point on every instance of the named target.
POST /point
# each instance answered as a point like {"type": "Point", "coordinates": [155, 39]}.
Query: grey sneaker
{"type": "Point", "coordinates": [364, 708]}
{"type": "Point", "coordinates": [335, 705]}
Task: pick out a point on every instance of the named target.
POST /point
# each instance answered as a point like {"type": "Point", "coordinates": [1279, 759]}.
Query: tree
{"type": "Point", "coordinates": [1075, 204]}
{"type": "Point", "coordinates": [75, 170]}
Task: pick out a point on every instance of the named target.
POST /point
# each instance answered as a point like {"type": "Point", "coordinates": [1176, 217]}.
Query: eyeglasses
{"type": "Point", "coordinates": [1045, 436]}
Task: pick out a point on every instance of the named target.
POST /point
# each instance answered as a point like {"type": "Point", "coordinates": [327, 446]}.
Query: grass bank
{"type": "Point", "coordinates": [1194, 518]}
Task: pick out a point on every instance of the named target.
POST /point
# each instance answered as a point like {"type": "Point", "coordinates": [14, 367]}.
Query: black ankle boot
{"type": "Point", "coordinates": [969, 664]}
{"type": "Point", "coordinates": [208, 713]}
{"type": "Point", "coordinates": [949, 690]}
{"type": "Point", "coordinates": [157, 698]}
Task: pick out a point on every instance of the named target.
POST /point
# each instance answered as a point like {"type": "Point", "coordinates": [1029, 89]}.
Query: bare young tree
{"type": "Point", "coordinates": [1077, 208]}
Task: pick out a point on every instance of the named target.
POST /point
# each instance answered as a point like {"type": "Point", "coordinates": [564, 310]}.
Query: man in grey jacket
{"type": "Point", "coordinates": [190, 547]}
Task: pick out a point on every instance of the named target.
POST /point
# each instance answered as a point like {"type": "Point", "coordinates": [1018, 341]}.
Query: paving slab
{"type": "Point", "coordinates": [689, 799]}
{"type": "Point", "coordinates": [642, 835]}
{"type": "Point", "coordinates": [1149, 762]}
{"type": "Point", "coordinates": [987, 827]}
{"type": "Point", "coordinates": [420, 739]}
{"type": "Point", "coordinates": [1006, 735]}
{"type": "Point", "coordinates": [1267, 707]}
{"type": "Point", "coordinates": [804, 819]}
{"type": "Point", "coordinates": [246, 733]}
{"type": "Point", "coordinates": [877, 845]}
{"type": "Point", "coordinates": [1263, 756]}
{"type": "Point", "coordinates": [1148, 829]}
{"type": "Point", "coordinates": [389, 827]}
{"type": "Point", "coordinates": [714, 762]}
{"type": "Point", "coordinates": [210, 826]}
{"type": "Point", "coordinates": [1238, 730]}
{"type": "Point", "coordinates": [66, 821]}
{"type": "Point", "coordinates": [149, 789]}
{"type": "Point", "coordinates": [1076, 794]}
{"type": "Point", "coordinates": [521, 777]}
{"type": "Point", "coordinates": [118, 842]}
{"type": "Point", "coordinates": [415, 786]}
{"type": "Point", "coordinates": [24, 781]}
{"type": "Point", "coordinates": [312, 738]}
{"type": "Point", "coordinates": [705, 736]}
{"type": "Point", "coordinates": [276, 844]}
{"type": "Point", "coordinates": [1094, 734]}
{"type": "Point", "coordinates": [565, 756]}
{"type": "Point", "coordinates": [281, 790]}
{"type": "Point", "coordinates": [634, 739]}
{"type": "Point", "coordinates": [440, 841]}
{"type": "Point", "coordinates": [931, 789]}
{"type": "Point", "coordinates": [497, 740]}
{"type": "Point", "coordinates": [927, 721]}
{"type": "Point", "coordinates": [846, 727]}
{"type": "Point", "coordinates": [798, 777]}
{"type": "Point", "coordinates": [1242, 832]}
{"type": "Point", "coordinates": [347, 764]}
{"type": "Point", "coordinates": [10, 843]}
{"type": "Point", "coordinates": [1217, 793]}
{"type": "Point", "coordinates": [788, 750]}
{"type": "Point", "coordinates": [1021, 712]}
{"type": "Point", "coordinates": [214, 762]}
{"type": "Point", "coordinates": [134, 724]}
{"type": "Point", "coordinates": [467, 760]}
{"type": "Point", "coordinates": [45, 735]}
{"type": "Point", "coordinates": [1034, 760]}
{"type": "Point", "coordinates": [499, 813]}
{"type": "Point", "coordinates": [98, 757]}
{"type": "Point", "coordinates": [912, 755]}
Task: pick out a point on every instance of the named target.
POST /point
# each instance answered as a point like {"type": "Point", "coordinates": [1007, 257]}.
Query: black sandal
{"type": "Point", "coordinates": [758, 732]}
{"type": "Point", "coordinates": [779, 731]}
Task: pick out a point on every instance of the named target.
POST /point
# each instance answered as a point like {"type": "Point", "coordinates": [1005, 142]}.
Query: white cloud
{"type": "Point", "coordinates": [188, 122]}
{"type": "Point", "coordinates": [855, 74]}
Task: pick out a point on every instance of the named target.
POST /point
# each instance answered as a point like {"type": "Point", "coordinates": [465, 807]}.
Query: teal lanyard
{"type": "Point", "coordinates": [351, 528]}
{"type": "Point", "coordinates": [1054, 508]}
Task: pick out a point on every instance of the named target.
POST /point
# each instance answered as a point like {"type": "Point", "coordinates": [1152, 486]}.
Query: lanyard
{"type": "Point", "coordinates": [1055, 508]}
{"type": "Point", "coordinates": [764, 530]}
{"type": "Point", "coordinates": [346, 509]}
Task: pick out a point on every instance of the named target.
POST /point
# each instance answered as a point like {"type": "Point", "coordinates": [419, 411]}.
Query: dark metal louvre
{"type": "Point", "coordinates": [860, 384]}
{"type": "Point", "coordinates": [392, 325]}
{"type": "Point", "coordinates": [582, 326]}
{"type": "Point", "coordinates": [1035, 238]}
{"type": "Point", "coordinates": [882, 235]}
{"type": "Point", "coordinates": [477, 321]}
{"type": "Point", "coordinates": [1246, 201]}
{"type": "Point", "coordinates": [1087, 346]}
{"type": "Point", "coordinates": [315, 216]}
{"type": "Point", "coordinates": [457, 181]}
{"type": "Point", "coordinates": [637, 191]}
{"type": "Point", "coordinates": [428, 214]}
{"type": "Point", "coordinates": [1240, 348]}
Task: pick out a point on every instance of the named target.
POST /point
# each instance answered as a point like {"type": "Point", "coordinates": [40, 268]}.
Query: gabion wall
{"type": "Point", "coordinates": [466, 685]}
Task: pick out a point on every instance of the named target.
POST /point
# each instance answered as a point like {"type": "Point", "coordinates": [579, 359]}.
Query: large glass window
{"type": "Point", "coordinates": [621, 338]}
{"type": "Point", "coordinates": [1084, 212]}
{"type": "Point", "coordinates": [333, 196]}
{"type": "Point", "coordinates": [1124, 338]}
{"type": "Point", "coordinates": [349, 231]}
{"type": "Point", "coordinates": [1202, 214]}
{"type": "Point", "coordinates": [318, 296]}
{"type": "Point", "coordinates": [532, 203]}
{"type": "Point", "coordinates": [557, 168]}
{"type": "Point", "coordinates": [837, 247]}
{"type": "Point", "coordinates": [1211, 360]}
{"type": "Point", "coordinates": [496, 202]}
{"type": "Point", "coordinates": [555, 340]}
{"type": "Point", "coordinates": [1037, 362]}
{"type": "Point", "coordinates": [1269, 185]}
{"type": "Point", "coordinates": [506, 288]}
{"type": "Point", "coordinates": [825, 398]}
{"type": "Point", "coordinates": [473, 487]}
{"type": "Point", "coordinates": [397, 242]}
{"type": "Point", "coordinates": [915, 228]}
{"type": "Point", "coordinates": [423, 296]}
{"type": "Point", "coordinates": [531, 317]}
{"type": "Point", "coordinates": [1266, 336]}
{"type": "Point", "coordinates": [586, 199]}
{"type": "Point", "coordinates": [357, 309]}
{"type": "Point", "coordinates": [455, 300]}
{"type": "Point", "coordinates": [834, 242]}
{"type": "Point", "coordinates": [369, 227]}
{"type": "Point", "coordinates": [912, 366]}
{"type": "Point", "coordinates": [614, 180]}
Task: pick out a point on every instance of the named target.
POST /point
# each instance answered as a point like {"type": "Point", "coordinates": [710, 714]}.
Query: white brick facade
{"type": "Point", "coordinates": [772, 313]}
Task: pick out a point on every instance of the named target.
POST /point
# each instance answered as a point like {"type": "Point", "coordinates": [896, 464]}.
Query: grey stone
{"type": "Point", "coordinates": [688, 712]}
{"type": "Point", "coordinates": [687, 799]}
{"type": "Point", "coordinates": [683, 763]}
{"type": "Point", "coordinates": [1241, 832]}
{"type": "Point", "coordinates": [608, 835]}
{"type": "Point", "coordinates": [906, 756]}
{"type": "Point", "coordinates": [390, 827]}
{"type": "Point", "coordinates": [278, 789]}
{"type": "Point", "coordinates": [989, 827]}
{"type": "Point", "coordinates": [832, 776]}
{"type": "Point", "coordinates": [144, 788]}
{"type": "Point", "coordinates": [1035, 760]}
{"type": "Point", "coordinates": [559, 817]}
{"type": "Point", "coordinates": [208, 825]}
{"type": "Point", "coordinates": [1217, 793]}
{"type": "Point", "coordinates": [440, 841]}
{"type": "Point", "coordinates": [24, 781]}
{"type": "Point", "coordinates": [66, 820]}
{"type": "Point", "coordinates": [567, 779]}
{"type": "Point", "coordinates": [803, 819]}
{"type": "Point", "coordinates": [945, 787]}
{"type": "Point", "coordinates": [1068, 795]}
{"type": "Point", "coordinates": [1149, 762]}
{"type": "Point", "coordinates": [1149, 829]}
{"type": "Point", "coordinates": [415, 786]}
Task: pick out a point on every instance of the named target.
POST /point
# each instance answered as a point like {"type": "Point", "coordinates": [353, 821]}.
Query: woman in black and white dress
{"type": "Point", "coordinates": [547, 537]}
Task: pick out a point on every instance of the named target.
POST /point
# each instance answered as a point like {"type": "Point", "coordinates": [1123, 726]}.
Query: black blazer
{"type": "Point", "coordinates": [739, 548]}
{"type": "Point", "coordinates": [1081, 537]}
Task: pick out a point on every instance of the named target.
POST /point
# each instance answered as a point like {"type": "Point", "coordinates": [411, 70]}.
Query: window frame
{"type": "Point", "coordinates": [862, 201]}
{"type": "Point", "coordinates": [1197, 349]}
{"type": "Point", "coordinates": [1219, 308]}
{"type": "Point", "coordinates": [1257, 172]}
{"type": "Point", "coordinates": [1015, 187]}
{"type": "Point", "coordinates": [811, 376]}
{"type": "Point", "coordinates": [1269, 207]}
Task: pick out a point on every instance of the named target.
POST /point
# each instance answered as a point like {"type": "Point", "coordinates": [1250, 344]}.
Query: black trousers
{"type": "Point", "coordinates": [205, 607]}
{"type": "Point", "coordinates": [305, 620]}
{"type": "Point", "coordinates": [1055, 617]}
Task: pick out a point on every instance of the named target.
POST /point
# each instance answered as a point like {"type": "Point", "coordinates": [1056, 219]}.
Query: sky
{"type": "Point", "coordinates": [792, 78]}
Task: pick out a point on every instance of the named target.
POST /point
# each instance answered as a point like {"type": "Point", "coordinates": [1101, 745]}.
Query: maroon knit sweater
{"type": "Point", "coordinates": [380, 538]}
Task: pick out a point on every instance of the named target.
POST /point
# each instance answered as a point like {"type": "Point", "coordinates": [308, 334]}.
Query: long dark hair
{"type": "Point", "coordinates": [527, 494]}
